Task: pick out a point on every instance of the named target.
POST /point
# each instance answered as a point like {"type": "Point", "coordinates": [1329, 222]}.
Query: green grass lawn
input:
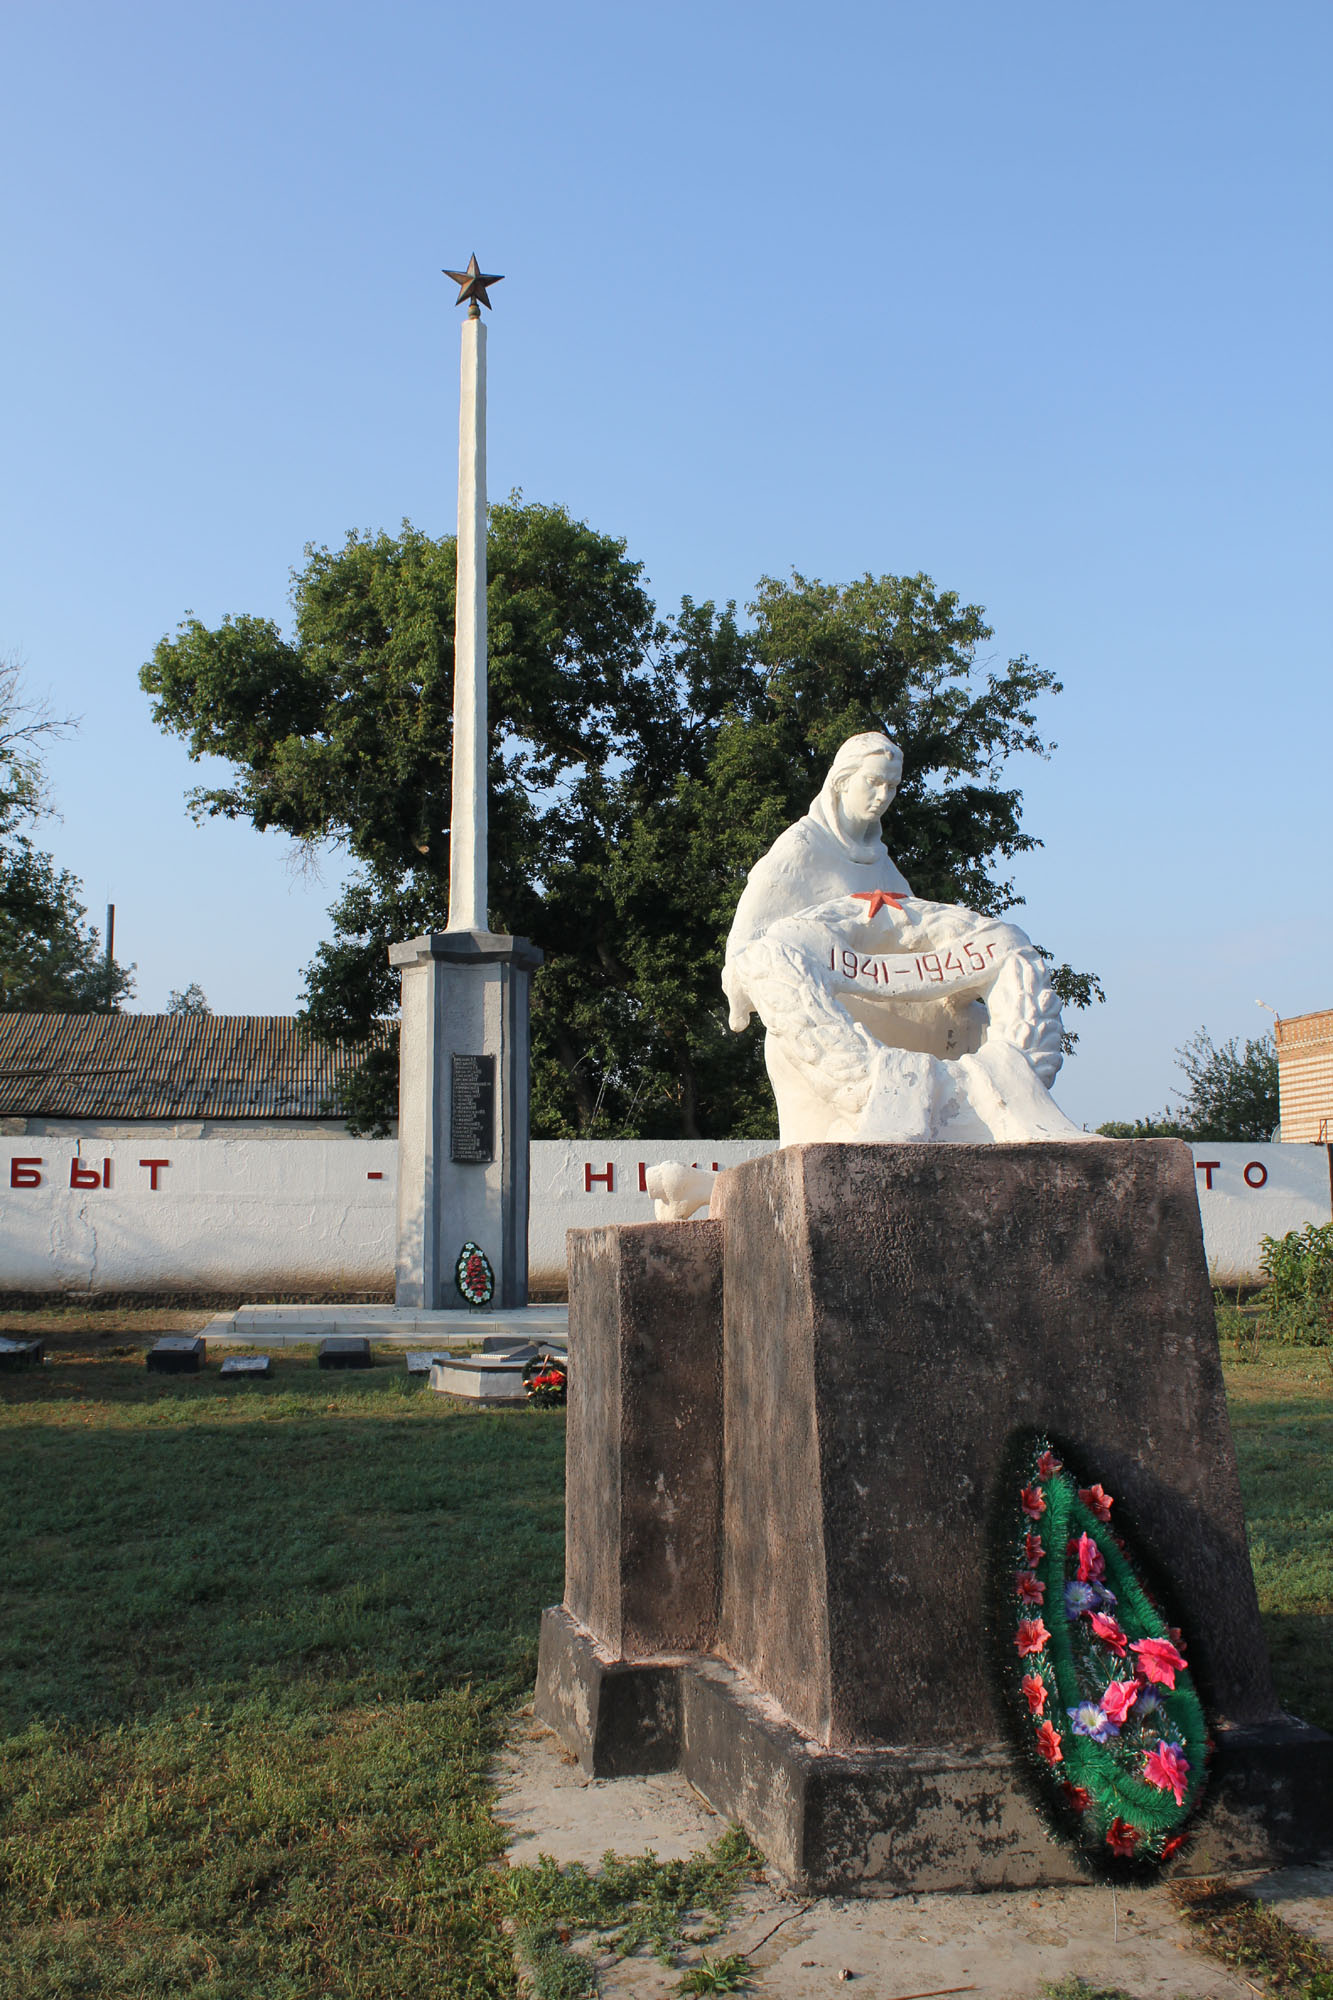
{"type": "Point", "coordinates": [257, 1641]}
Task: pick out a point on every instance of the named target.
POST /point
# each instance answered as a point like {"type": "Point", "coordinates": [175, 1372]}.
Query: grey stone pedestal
{"type": "Point", "coordinates": [463, 1112]}
{"type": "Point", "coordinates": [805, 1631]}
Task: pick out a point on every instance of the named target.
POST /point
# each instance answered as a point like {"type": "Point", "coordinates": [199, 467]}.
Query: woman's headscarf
{"type": "Point", "coordinates": [855, 752]}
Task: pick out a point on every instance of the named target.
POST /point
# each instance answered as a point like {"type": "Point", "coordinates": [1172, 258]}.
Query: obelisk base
{"type": "Point", "coordinates": [463, 1126]}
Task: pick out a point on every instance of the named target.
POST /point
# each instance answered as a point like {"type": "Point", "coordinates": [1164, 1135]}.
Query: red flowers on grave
{"type": "Point", "coordinates": [1033, 1550]}
{"type": "Point", "coordinates": [1108, 1632]}
{"type": "Point", "coordinates": [1031, 1637]}
{"type": "Point", "coordinates": [1033, 1502]}
{"type": "Point", "coordinates": [1119, 1698]}
{"type": "Point", "coordinates": [1048, 1743]}
{"type": "Point", "coordinates": [1078, 1798]}
{"type": "Point", "coordinates": [1158, 1660]}
{"type": "Point", "coordinates": [1030, 1588]}
{"type": "Point", "coordinates": [1091, 1561]}
{"type": "Point", "coordinates": [1121, 1838]}
{"type": "Point", "coordinates": [1048, 1465]}
{"type": "Point", "coordinates": [1166, 1768]}
{"type": "Point", "coordinates": [1034, 1687]}
{"type": "Point", "coordinates": [1096, 1501]}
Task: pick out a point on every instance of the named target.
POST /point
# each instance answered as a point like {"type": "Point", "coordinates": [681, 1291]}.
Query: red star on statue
{"type": "Point", "coordinates": [877, 898]}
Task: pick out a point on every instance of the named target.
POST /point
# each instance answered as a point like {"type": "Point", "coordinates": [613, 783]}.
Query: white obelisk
{"type": "Point", "coordinates": [463, 1053]}
{"type": "Point", "coordinates": [467, 819]}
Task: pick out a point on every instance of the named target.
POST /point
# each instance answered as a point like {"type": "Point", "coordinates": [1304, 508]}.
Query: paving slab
{"type": "Point", "coordinates": [392, 1326]}
{"type": "Point", "coordinates": [1000, 1945]}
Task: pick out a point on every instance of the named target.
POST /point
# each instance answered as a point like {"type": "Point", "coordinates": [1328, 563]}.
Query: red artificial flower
{"type": "Point", "coordinates": [1047, 1465]}
{"type": "Point", "coordinates": [1032, 1637]}
{"type": "Point", "coordinates": [1030, 1588]}
{"type": "Point", "coordinates": [1033, 1502]}
{"type": "Point", "coordinates": [1096, 1501]}
{"type": "Point", "coordinates": [1091, 1561]}
{"type": "Point", "coordinates": [1033, 1550]}
{"type": "Point", "coordinates": [1034, 1687]}
{"type": "Point", "coordinates": [1172, 1846]}
{"type": "Point", "coordinates": [1048, 1743]}
{"type": "Point", "coordinates": [1119, 1698]}
{"type": "Point", "coordinates": [1108, 1632]}
{"type": "Point", "coordinates": [1158, 1660]}
{"type": "Point", "coordinates": [1079, 1799]}
{"type": "Point", "coordinates": [1121, 1838]}
{"type": "Point", "coordinates": [1167, 1769]}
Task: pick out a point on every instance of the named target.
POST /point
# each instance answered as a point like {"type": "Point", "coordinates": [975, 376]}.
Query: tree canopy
{"type": "Point", "coordinates": [1232, 1094]}
{"type": "Point", "coordinates": [51, 960]}
{"type": "Point", "coordinates": [638, 767]}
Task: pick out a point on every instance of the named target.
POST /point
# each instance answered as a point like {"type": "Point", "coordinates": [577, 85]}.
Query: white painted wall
{"type": "Point", "coordinates": [227, 1214]}
{"type": "Point", "coordinates": [318, 1215]}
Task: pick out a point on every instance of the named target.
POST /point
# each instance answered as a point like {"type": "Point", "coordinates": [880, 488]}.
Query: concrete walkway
{"type": "Point", "coordinates": [1001, 1945]}
{"type": "Point", "coordinates": [391, 1326]}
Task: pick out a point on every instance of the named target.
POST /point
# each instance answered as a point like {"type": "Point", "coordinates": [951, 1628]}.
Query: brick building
{"type": "Point", "coordinates": [1305, 1076]}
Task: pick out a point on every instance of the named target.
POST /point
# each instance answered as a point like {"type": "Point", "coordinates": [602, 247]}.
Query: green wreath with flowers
{"type": "Point", "coordinates": [1095, 1680]}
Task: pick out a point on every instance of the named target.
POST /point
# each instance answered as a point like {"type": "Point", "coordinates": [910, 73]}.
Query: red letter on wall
{"type": "Point", "coordinates": [23, 1173]}
{"type": "Point", "coordinates": [152, 1166]}
{"type": "Point", "coordinates": [1207, 1168]}
{"type": "Point", "coordinates": [609, 1177]}
{"type": "Point", "coordinates": [1256, 1174]}
{"type": "Point", "coordinates": [82, 1176]}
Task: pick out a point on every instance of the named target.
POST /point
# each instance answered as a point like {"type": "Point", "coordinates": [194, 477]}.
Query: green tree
{"type": "Point", "coordinates": [51, 960]}
{"type": "Point", "coordinates": [1232, 1094]}
{"type": "Point", "coordinates": [191, 1000]}
{"type": "Point", "coordinates": [638, 768]}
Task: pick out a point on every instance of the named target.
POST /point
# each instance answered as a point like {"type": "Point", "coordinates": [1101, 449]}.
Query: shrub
{"type": "Point", "coordinates": [1298, 1293]}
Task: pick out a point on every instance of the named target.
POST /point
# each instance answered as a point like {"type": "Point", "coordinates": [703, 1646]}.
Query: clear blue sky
{"type": "Point", "coordinates": [1036, 299]}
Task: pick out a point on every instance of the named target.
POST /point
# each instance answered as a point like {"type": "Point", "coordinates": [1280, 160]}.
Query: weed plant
{"type": "Point", "coordinates": [1297, 1299]}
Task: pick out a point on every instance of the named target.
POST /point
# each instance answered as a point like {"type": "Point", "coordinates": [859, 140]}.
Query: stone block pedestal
{"type": "Point", "coordinates": [803, 1630]}
{"type": "Point", "coordinates": [463, 1112]}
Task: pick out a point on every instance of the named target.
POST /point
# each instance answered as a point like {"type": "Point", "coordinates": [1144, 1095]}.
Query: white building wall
{"type": "Point", "coordinates": [279, 1215]}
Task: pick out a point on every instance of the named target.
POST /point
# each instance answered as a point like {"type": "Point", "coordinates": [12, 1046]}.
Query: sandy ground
{"type": "Point", "coordinates": [1001, 1945]}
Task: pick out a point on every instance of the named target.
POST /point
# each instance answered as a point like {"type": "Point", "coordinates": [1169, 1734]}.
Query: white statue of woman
{"type": "Point", "coordinates": [888, 1017]}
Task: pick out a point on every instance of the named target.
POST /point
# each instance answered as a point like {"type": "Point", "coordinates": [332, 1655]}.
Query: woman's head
{"type": "Point", "coordinates": [863, 779]}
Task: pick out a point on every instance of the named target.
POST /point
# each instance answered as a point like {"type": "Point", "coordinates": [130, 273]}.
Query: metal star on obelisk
{"type": "Point", "coordinates": [472, 285]}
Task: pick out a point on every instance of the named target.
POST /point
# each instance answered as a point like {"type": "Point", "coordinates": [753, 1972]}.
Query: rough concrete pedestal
{"type": "Point", "coordinates": [805, 1635]}
{"type": "Point", "coordinates": [465, 994]}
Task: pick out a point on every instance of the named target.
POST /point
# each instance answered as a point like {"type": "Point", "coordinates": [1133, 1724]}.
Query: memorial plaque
{"type": "Point", "coordinates": [472, 1110]}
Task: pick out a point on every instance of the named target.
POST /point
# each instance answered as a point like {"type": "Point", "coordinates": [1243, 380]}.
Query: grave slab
{"type": "Point", "coordinates": [21, 1353]}
{"type": "Point", "coordinates": [480, 1378]}
{"type": "Point", "coordinates": [345, 1351]}
{"type": "Point", "coordinates": [258, 1365]}
{"type": "Point", "coordinates": [177, 1354]}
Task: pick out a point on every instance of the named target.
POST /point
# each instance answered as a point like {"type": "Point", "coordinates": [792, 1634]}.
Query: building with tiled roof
{"type": "Point", "coordinates": [188, 1075]}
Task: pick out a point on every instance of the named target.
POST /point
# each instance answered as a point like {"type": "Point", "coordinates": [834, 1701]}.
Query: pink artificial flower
{"type": "Point", "coordinates": [1091, 1561]}
{"type": "Point", "coordinates": [1034, 1687]}
{"type": "Point", "coordinates": [1158, 1660]}
{"type": "Point", "coordinates": [1048, 1743]}
{"type": "Point", "coordinates": [1096, 1501]}
{"type": "Point", "coordinates": [1047, 1465]}
{"type": "Point", "coordinates": [1033, 1502]}
{"type": "Point", "coordinates": [1032, 1637]}
{"type": "Point", "coordinates": [1030, 1588]}
{"type": "Point", "coordinates": [1167, 1769]}
{"type": "Point", "coordinates": [1108, 1632]}
{"type": "Point", "coordinates": [1119, 1698]}
{"type": "Point", "coordinates": [1122, 1838]}
{"type": "Point", "coordinates": [1033, 1551]}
